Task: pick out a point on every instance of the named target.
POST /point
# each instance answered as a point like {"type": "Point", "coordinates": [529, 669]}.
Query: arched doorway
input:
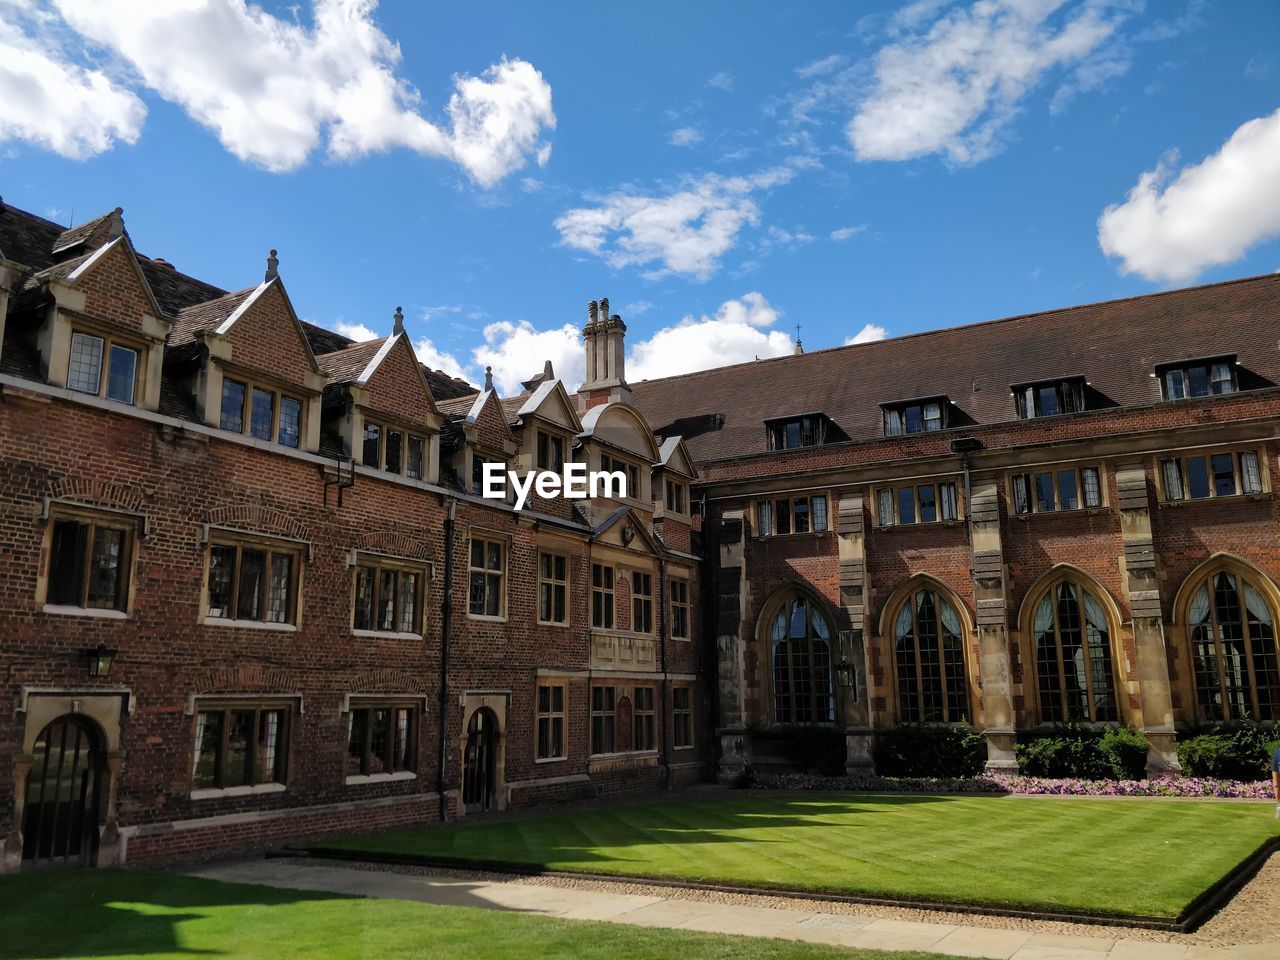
{"type": "Point", "coordinates": [63, 801]}
{"type": "Point", "coordinates": [479, 762]}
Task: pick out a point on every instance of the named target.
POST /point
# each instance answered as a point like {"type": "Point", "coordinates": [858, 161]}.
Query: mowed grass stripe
{"type": "Point", "coordinates": [1149, 857]}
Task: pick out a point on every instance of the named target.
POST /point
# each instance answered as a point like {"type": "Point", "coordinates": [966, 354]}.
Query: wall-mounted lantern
{"type": "Point", "coordinates": [99, 660]}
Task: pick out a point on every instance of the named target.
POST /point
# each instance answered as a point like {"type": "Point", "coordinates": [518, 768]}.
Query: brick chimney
{"type": "Point", "coordinates": [605, 340]}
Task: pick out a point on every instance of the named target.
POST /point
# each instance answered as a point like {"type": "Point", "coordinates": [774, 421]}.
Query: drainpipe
{"type": "Point", "coordinates": [447, 610]}
{"type": "Point", "coordinates": [664, 758]}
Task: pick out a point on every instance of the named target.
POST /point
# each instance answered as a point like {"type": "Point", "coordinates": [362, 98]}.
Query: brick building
{"type": "Point", "coordinates": [250, 590]}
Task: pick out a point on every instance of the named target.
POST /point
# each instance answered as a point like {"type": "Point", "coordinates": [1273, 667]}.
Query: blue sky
{"type": "Point", "coordinates": [720, 171]}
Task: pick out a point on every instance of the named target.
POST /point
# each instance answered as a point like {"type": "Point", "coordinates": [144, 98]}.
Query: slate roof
{"type": "Point", "coordinates": [1115, 345]}
{"type": "Point", "coordinates": [346, 364]}
{"type": "Point", "coordinates": [204, 316]}
{"type": "Point", "coordinates": [72, 237]}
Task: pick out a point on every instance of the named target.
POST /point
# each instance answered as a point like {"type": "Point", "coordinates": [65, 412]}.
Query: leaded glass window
{"type": "Point", "coordinates": [929, 645]}
{"type": "Point", "coordinates": [1072, 638]}
{"type": "Point", "coordinates": [1233, 648]}
{"type": "Point", "coordinates": [801, 646]}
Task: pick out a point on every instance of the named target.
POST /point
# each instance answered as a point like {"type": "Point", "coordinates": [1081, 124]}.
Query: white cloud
{"type": "Point", "coordinates": [53, 103]}
{"type": "Point", "coordinates": [953, 88]}
{"type": "Point", "coordinates": [684, 232]}
{"type": "Point", "coordinates": [1172, 228]}
{"type": "Point", "coordinates": [517, 350]}
{"type": "Point", "coordinates": [272, 89]}
{"type": "Point", "coordinates": [636, 308]}
{"type": "Point", "coordinates": [356, 331]}
{"type": "Point", "coordinates": [844, 233]}
{"type": "Point", "coordinates": [721, 81]}
{"type": "Point", "coordinates": [868, 334]}
{"type": "Point", "coordinates": [441, 360]}
{"type": "Point", "coordinates": [686, 137]}
{"type": "Point", "coordinates": [819, 67]}
{"type": "Point", "coordinates": [738, 332]}
{"type": "Point", "coordinates": [430, 313]}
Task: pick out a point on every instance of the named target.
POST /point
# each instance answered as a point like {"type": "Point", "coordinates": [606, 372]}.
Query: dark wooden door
{"type": "Point", "coordinates": [64, 791]}
{"type": "Point", "coordinates": [479, 759]}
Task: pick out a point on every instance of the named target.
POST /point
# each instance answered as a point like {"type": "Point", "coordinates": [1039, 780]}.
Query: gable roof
{"type": "Point", "coordinates": [1115, 345]}
{"type": "Point", "coordinates": [546, 390]}
{"type": "Point", "coordinates": [673, 455]}
{"type": "Point", "coordinates": [206, 316]}
{"type": "Point", "coordinates": [351, 364]}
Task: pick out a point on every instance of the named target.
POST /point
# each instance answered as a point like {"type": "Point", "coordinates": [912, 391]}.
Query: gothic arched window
{"type": "Point", "coordinates": [1072, 638]}
{"type": "Point", "coordinates": [929, 641]}
{"type": "Point", "coordinates": [1233, 648]}
{"type": "Point", "coordinates": [801, 645]}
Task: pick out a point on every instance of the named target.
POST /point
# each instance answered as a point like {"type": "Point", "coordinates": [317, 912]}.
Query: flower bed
{"type": "Point", "coordinates": [1164, 786]}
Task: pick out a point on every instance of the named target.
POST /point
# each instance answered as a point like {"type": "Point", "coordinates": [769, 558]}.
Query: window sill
{"type": "Point", "coordinates": [789, 536]}
{"type": "Point", "coordinates": [1232, 498]}
{"type": "Point", "coordinates": [65, 610]}
{"type": "Point", "coordinates": [484, 618]}
{"type": "Point", "coordinates": [541, 760]}
{"type": "Point", "coordinates": [689, 747]}
{"type": "Point", "coordinates": [356, 779]}
{"type": "Point", "coordinates": [250, 625]}
{"type": "Point", "coordinates": [683, 639]}
{"type": "Point", "coordinates": [931, 525]}
{"type": "Point", "coordinates": [552, 623]}
{"type": "Point", "coordinates": [1079, 511]}
{"type": "Point", "coordinates": [386, 634]}
{"type": "Point", "coordinates": [214, 793]}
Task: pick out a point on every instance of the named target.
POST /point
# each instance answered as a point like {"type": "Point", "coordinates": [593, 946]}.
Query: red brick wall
{"type": "Point", "coordinates": [114, 290]}
{"type": "Point", "coordinates": [267, 339]}
{"type": "Point", "coordinates": [397, 390]}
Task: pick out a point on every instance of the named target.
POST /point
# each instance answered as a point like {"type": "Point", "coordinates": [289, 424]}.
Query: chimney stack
{"type": "Point", "coordinates": [604, 341]}
{"type": "Point", "coordinates": [273, 267]}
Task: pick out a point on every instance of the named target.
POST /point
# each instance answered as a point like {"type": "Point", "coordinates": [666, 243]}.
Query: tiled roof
{"type": "Point", "coordinates": [1114, 345]}
{"type": "Point", "coordinates": [175, 291]}
{"type": "Point", "coordinates": [445, 387]}
{"type": "Point", "coordinates": [63, 269]}
{"type": "Point", "coordinates": [26, 238]}
{"type": "Point", "coordinates": [456, 408]}
{"type": "Point", "coordinates": [74, 236]}
{"type": "Point", "coordinates": [202, 316]}
{"type": "Point", "coordinates": [345, 365]}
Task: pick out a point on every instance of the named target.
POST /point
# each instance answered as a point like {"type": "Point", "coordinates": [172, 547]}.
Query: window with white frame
{"type": "Point", "coordinates": [680, 609]}
{"type": "Point", "coordinates": [487, 571]}
{"type": "Point", "coordinates": [916, 416]}
{"type": "Point", "coordinates": [786, 515]}
{"type": "Point", "coordinates": [553, 588]}
{"type": "Point", "coordinates": [602, 597]}
{"type": "Point", "coordinates": [917, 503]}
{"type": "Point", "coordinates": [1053, 491]}
{"type": "Point", "coordinates": [1198, 378]}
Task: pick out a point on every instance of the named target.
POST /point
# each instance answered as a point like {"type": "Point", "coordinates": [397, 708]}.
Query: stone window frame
{"type": "Point", "coordinates": [134, 527]}
{"type": "Point", "coordinates": [564, 585]}
{"type": "Point", "coordinates": [608, 597]}
{"type": "Point", "coordinates": [366, 704]}
{"type": "Point", "coordinates": [642, 602]}
{"type": "Point", "coordinates": [612, 463]}
{"type": "Point", "coordinates": [682, 718]}
{"type": "Point", "coordinates": [644, 717]}
{"type": "Point", "coordinates": [1239, 470]}
{"type": "Point", "coordinates": [549, 716]}
{"type": "Point", "coordinates": [1027, 396]}
{"type": "Point", "coordinates": [1163, 372]}
{"type": "Point", "coordinates": [899, 409]}
{"type": "Point", "coordinates": [110, 339]}
{"type": "Point", "coordinates": [684, 605]}
{"type": "Point", "coordinates": [1054, 470]}
{"type": "Point", "coordinates": [895, 495]}
{"type": "Point", "coordinates": [906, 594]}
{"type": "Point", "coordinates": [278, 392]}
{"type": "Point", "coordinates": [503, 543]}
{"type": "Point", "coordinates": [239, 539]}
{"type": "Point", "coordinates": [604, 717]}
{"type": "Point", "coordinates": [767, 507]}
{"type": "Point", "coordinates": [1045, 589]}
{"type": "Point", "coordinates": [674, 489]}
{"type": "Point", "coordinates": [288, 707]}
{"type": "Point", "coordinates": [408, 434]}
{"type": "Point", "coordinates": [401, 565]}
{"type": "Point", "coordinates": [548, 438]}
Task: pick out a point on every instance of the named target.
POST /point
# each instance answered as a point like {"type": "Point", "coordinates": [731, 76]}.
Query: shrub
{"type": "Point", "coordinates": [921, 750]}
{"type": "Point", "coordinates": [1074, 751]}
{"type": "Point", "coordinates": [1234, 753]}
{"type": "Point", "coordinates": [810, 749]}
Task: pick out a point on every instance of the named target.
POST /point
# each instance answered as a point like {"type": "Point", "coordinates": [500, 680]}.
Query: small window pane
{"type": "Point", "coordinates": [1224, 475]}
{"type": "Point", "coordinates": [892, 423]}
{"type": "Point", "coordinates": [105, 568]}
{"type": "Point", "coordinates": [927, 497]}
{"type": "Point", "coordinates": [764, 519]}
{"type": "Point", "coordinates": [270, 746]}
{"type": "Point", "coordinates": [1198, 477]}
{"type": "Point", "coordinates": [387, 600]}
{"type": "Point", "coordinates": [408, 603]}
{"type": "Point", "coordinates": [253, 568]}
{"type": "Point", "coordinates": [1175, 385]}
{"type": "Point", "coordinates": [800, 509]}
{"type": "Point", "coordinates": [372, 446]}
{"type": "Point", "coordinates": [66, 565]}
{"type": "Point", "coordinates": [281, 589]}
{"type": "Point", "coordinates": [819, 514]}
{"type": "Point", "coordinates": [1047, 402]}
{"type": "Point", "coordinates": [1068, 499]}
{"type": "Point", "coordinates": [1021, 493]}
{"type": "Point", "coordinates": [122, 374]}
{"type": "Point", "coordinates": [232, 416]}
{"type": "Point", "coordinates": [1222, 379]}
{"type": "Point", "coordinates": [884, 507]}
{"type": "Point", "coordinates": [208, 747]}
{"type": "Point", "coordinates": [236, 768]}
{"type": "Point", "coordinates": [262, 413]}
{"type": "Point", "coordinates": [907, 505]}
{"type": "Point", "coordinates": [948, 507]}
{"type": "Point", "coordinates": [85, 370]}
{"type": "Point", "coordinates": [782, 516]}
{"type": "Point", "coordinates": [915, 419]}
{"type": "Point", "coordinates": [1250, 473]}
{"type": "Point", "coordinates": [222, 565]}
{"type": "Point", "coordinates": [1092, 487]}
{"type": "Point", "coordinates": [1198, 381]}
{"type": "Point", "coordinates": [932, 416]}
{"type": "Point", "coordinates": [395, 443]}
{"type": "Point", "coordinates": [1045, 502]}
{"type": "Point", "coordinates": [365, 583]}
{"type": "Point", "coordinates": [357, 734]}
{"type": "Point", "coordinates": [1172, 480]}
{"type": "Point", "coordinates": [413, 465]}
{"type": "Point", "coordinates": [290, 421]}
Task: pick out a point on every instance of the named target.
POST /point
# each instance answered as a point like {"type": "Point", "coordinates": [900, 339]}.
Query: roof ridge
{"type": "Point", "coordinates": [964, 326]}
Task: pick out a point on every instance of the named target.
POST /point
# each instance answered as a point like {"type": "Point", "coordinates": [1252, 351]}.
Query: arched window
{"type": "Point", "coordinates": [1072, 638]}
{"type": "Point", "coordinates": [929, 641]}
{"type": "Point", "coordinates": [1233, 646]}
{"type": "Point", "coordinates": [801, 643]}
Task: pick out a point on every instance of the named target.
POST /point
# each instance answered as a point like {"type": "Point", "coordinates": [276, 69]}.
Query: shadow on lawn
{"type": "Point", "coordinates": [107, 913]}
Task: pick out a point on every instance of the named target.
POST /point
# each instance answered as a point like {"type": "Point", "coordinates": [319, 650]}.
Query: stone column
{"type": "Point", "coordinates": [11, 844]}
{"type": "Point", "coordinates": [1142, 585]}
{"type": "Point", "coordinates": [998, 720]}
{"type": "Point", "coordinates": [731, 596]}
{"type": "Point", "coordinates": [855, 702]}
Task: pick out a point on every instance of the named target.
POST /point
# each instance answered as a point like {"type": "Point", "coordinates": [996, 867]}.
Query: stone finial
{"type": "Point", "coordinates": [488, 378]}
{"type": "Point", "coordinates": [397, 322]}
{"type": "Point", "coordinates": [604, 309]}
{"type": "Point", "coordinates": [799, 348]}
{"type": "Point", "coordinates": [593, 312]}
{"type": "Point", "coordinates": [115, 226]}
{"type": "Point", "coordinates": [273, 266]}
{"type": "Point", "coordinates": [547, 373]}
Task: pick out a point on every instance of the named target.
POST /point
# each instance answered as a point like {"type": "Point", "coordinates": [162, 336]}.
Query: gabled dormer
{"type": "Point", "coordinates": [615, 438]}
{"type": "Point", "coordinates": [97, 327]}
{"type": "Point", "coordinates": [672, 475]}
{"type": "Point", "coordinates": [385, 416]}
{"type": "Point", "coordinates": [480, 422]}
{"type": "Point", "coordinates": [246, 361]}
{"type": "Point", "coordinates": [548, 424]}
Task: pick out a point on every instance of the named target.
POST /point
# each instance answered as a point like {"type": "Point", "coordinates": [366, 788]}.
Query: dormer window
{"type": "Point", "coordinates": [102, 367]}
{"type": "Point", "coordinates": [1212, 376]}
{"type": "Point", "coordinates": [1049, 398]}
{"type": "Point", "coordinates": [610, 464]}
{"type": "Point", "coordinates": [791, 433]}
{"type": "Point", "coordinates": [550, 451]}
{"type": "Point", "coordinates": [384, 447]}
{"type": "Point", "coordinates": [915, 416]}
{"type": "Point", "coordinates": [261, 412]}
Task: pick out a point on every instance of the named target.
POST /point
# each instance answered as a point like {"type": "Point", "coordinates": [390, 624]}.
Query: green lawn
{"type": "Point", "coordinates": [1146, 857]}
{"type": "Point", "coordinates": [124, 914]}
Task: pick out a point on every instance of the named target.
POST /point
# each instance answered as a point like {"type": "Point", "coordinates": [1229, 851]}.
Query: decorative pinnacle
{"type": "Point", "coordinates": [273, 266]}
{"type": "Point", "coordinates": [397, 325]}
{"type": "Point", "coordinates": [488, 378]}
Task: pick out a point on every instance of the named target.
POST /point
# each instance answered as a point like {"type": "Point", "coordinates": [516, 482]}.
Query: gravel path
{"type": "Point", "coordinates": [1252, 916]}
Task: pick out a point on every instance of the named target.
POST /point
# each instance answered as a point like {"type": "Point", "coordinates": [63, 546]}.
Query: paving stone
{"type": "Point", "coordinates": [982, 942]}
